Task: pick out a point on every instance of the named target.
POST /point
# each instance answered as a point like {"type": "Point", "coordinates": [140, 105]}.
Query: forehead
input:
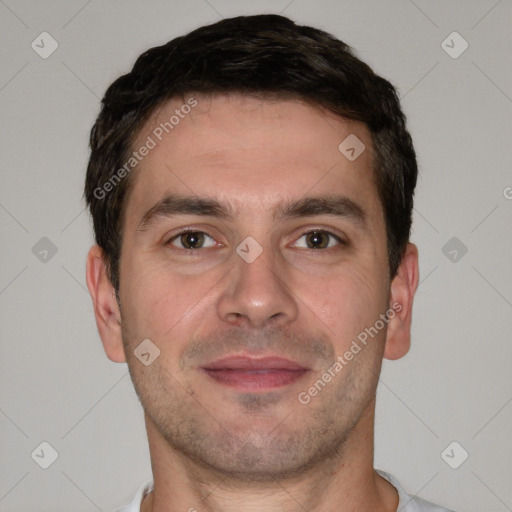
{"type": "Point", "coordinates": [250, 152]}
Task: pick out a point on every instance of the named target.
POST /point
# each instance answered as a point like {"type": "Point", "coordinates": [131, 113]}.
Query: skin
{"type": "Point", "coordinates": [216, 448]}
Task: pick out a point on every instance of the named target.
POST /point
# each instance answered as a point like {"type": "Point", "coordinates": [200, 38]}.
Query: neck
{"type": "Point", "coordinates": [345, 482]}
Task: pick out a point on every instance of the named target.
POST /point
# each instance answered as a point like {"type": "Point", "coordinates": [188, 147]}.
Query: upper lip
{"type": "Point", "coordinates": [240, 362]}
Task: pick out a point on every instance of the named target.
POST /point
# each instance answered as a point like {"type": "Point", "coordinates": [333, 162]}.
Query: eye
{"type": "Point", "coordinates": [189, 240]}
{"type": "Point", "coordinates": [318, 239]}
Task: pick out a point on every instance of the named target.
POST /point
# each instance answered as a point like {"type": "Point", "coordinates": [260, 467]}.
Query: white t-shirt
{"type": "Point", "coordinates": [406, 503]}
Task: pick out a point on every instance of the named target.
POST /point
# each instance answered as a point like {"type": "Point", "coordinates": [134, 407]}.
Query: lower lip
{"type": "Point", "coordinates": [254, 380]}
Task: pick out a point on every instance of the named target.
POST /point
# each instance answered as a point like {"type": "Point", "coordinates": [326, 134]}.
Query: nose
{"type": "Point", "coordinates": [256, 294]}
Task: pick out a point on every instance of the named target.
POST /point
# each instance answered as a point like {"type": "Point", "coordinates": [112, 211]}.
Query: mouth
{"type": "Point", "coordinates": [252, 374]}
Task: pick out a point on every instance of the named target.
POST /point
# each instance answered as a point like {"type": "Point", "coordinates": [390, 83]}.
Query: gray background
{"type": "Point", "coordinates": [454, 385]}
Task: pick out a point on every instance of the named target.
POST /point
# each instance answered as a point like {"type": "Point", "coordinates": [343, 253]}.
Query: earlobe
{"type": "Point", "coordinates": [403, 288]}
{"type": "Point", "coordinates": [106, 308]}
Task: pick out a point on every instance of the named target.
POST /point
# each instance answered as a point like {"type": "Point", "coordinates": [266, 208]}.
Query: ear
{"type": "Point", "coordinates": [106, 308]}
{"type": "Point", "coordinates": [403, 288]}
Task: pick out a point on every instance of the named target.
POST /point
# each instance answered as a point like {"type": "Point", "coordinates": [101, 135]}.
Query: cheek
{"type": "Point", "coordinates": [158, 300]}
{"type": "Point", "coordinates": [347, 301]}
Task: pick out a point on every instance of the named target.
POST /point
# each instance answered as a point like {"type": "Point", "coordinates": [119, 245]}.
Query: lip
{"type": "Point", "coordinates": [238, 362]}
{"type": "Point", "coordinates": [254, 374]}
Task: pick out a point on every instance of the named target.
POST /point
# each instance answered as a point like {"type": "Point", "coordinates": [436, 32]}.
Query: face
{"type": "Point", "coordinates": [254, 254]}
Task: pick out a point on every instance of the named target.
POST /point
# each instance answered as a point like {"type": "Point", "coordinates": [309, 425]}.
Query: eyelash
{"type": "Point", "coordinates": [340, 240]}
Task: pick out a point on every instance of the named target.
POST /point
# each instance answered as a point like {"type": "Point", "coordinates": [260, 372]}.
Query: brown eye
{"type": "Point", "coordinates": [191, 240]}
{"type": "Point", "coordinates": [319, 240]}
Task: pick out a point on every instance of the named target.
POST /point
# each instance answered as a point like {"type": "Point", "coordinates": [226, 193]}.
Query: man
{"type": "Point", "coordinates": [251, 186]}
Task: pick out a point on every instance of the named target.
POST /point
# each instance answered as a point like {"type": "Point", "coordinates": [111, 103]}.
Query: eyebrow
{"type": "Point", "coordinates": [174, 205]}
